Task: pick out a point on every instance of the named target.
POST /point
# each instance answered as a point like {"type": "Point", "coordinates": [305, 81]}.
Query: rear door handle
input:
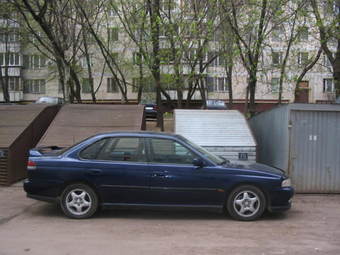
{"type": "Point", "coordinates": [95, 171]}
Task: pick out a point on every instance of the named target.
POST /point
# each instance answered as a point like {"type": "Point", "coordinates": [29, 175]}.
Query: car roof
{"type": "Point", "coordinates": [140, 134]}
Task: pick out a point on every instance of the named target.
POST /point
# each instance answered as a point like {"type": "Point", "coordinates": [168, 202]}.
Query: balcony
{"type": "Point", "coordinates": [12, 71]}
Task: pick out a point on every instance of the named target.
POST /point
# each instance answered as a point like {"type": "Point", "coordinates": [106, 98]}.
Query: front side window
{"type": "Point", "coordinates": [169, 151]}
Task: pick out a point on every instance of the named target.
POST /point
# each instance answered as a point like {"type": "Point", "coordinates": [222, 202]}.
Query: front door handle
{"type": "Point", "coordinates": [94, 171]}
{"type": "Point", "coordinates": [162, 174]}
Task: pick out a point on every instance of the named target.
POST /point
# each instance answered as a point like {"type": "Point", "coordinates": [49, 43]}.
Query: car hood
{"type": "Point", "coordinates": [257, 167]}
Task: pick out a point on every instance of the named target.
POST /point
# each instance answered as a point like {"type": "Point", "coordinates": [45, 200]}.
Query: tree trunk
{"type": "Point", "coordinates": [77, 92]}
{"type": "Point", "coordinates": [246, 101]}
{"type": "Point", "coordinates": [89, 68]}
{"type": "Point", "coordinates": [155, 69]}
{"type": "Point", "coordinates": [61, 78]}
{"type": "Point", "coordinates": [336, 70]}
{"type": "Point", "coordinates": [4, 84]}
{"type": "Point", "coordinates": [141, 82]}
{"type": "Point", "coordinates": [251, 91]}
{"type": "Point", "coordinates": [229, 70]}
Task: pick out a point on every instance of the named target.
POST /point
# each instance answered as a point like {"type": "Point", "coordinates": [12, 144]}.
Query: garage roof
{"type": "Point", "coordinates": [75, 122]}
{"type": "Point", "coordinates": [214, 127]}
{"type": "Point", "coordinates": [14, 119]}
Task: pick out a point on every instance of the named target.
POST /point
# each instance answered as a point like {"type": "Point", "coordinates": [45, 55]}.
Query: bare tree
{"type": "Point", "coordinates": [250, 22]}
{"type": "Point", "coordinates": [328, 25]}
{"type": "Point", "coordinates": [57, 23]}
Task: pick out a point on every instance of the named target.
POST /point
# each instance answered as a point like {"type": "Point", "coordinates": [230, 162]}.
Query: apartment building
{"type": "Point", "coordinates": [31, 75]}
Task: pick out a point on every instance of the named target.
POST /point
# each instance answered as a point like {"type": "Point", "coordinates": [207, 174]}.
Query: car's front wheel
{"type": "Point", "coordinates": [246, 203]}
{"type": "Point", "coordinates": [79, 201]}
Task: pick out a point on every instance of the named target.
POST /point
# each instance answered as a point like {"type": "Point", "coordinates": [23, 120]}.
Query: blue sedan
{"type": "Point", "coordinates": [152, 170]}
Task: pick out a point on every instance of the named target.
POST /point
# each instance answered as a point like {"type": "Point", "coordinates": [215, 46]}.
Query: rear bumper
{"type": "Point", "coordinates": [44, 198]}
{"type": "Point", "coordinates": [43, 190]}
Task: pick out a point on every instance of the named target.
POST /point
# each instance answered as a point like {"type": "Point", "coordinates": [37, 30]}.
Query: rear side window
{"type": "Point", "coordinates": [92, 151]}
{"type": "Point", "coordinates": [123, 149]}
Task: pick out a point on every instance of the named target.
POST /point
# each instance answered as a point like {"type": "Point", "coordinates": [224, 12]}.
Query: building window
{"type": "Point", "coordinates": [278, 33]}
{"type": "Point", "coordinates": [303, 33]}
{"type": "Point", "coordinates": [217, 84]}
{"type": "Point", "coordinates": [83, 61]}
{"type": "Point", "coordinates": [166, 55]}
{"type": "Point", "coordinates": [13, 59]}
{"type": "Point", "coordinates": [137, 58]}
{"type": "Point", "coordinates": [218, 60]}
{"type": "Point", "coordinates": [34, 61]}
{"type": "Point", "coordinates": [167, 5]}
{"type": "Point", "coordinates": [326, 61]}
{"type": "Point", "coordinates": [112, 12]}
{"type": "Point", "coordinates": [303, 58]}
{"type": "Point", "coordinates": [112, 86]}
{"type": "Point", "coordinates": [168, 30]}
{"type": "Point", "coordinates": [113, 34]}
{"type": "Point", "coordinates": [190, 55]}
{"type": "Point", "coordinates": [147, 83]}
{"type": "Point", "coordinates": [275, 85]}
{"type": "Point", "coordinates": [14, 84]}
{"type": "Point", "coordinates": [276, 58]}
{"type": "Point", "coordinates": [34, 86]}
{"type": "Point", "coordinates": [328, 85]}
{"type": "Point", "coordinates": [9, 37]}
{"type": "Point", "coordinates": [86, 86]}
{"type": "Point", "coordinates": [60, 88]}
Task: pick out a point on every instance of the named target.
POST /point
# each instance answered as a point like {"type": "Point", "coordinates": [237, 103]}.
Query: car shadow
{"type": "Point", "coordinates": [160, 214]}
{"type": "Point", "coordinates": [54, 211]}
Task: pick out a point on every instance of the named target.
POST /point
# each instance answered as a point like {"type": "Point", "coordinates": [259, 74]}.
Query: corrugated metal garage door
{"type": "Point", "coordinates": [315, 148]}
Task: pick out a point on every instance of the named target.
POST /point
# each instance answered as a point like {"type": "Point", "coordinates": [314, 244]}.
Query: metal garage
{"type": "Point", "coordinates": [223, 132]}
{"type": "Point", "coordinates": [303, 140]}
{"type": "Point", "coordinates": [21, 127]}
{"type": "Point", "coordinates": [75, 122]}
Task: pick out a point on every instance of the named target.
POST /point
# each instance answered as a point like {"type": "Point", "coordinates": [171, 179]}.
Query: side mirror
{"type": "Point", "coordinates": [226, 160]}
{"type": "Point", "coordinates": [198, 162]}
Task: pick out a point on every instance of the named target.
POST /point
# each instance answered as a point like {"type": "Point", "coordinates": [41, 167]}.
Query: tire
{"type": "Point", "coordinates": [246, 203]}
{"type": "Point", "coordinates": [79, 201]}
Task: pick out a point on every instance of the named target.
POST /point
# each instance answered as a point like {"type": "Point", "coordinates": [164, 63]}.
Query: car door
{"type": "Point", "coordinates": [176, 181]}
{"type": "Point", "coordinates": [119, 169]}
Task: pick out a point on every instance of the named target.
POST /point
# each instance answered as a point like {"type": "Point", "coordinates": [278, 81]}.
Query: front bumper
{"type": "Point", "coordinates": [281, 199]}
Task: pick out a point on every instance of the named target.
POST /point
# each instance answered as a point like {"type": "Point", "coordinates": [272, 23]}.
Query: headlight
{"type": "Point", "coordinates": [286, 183]}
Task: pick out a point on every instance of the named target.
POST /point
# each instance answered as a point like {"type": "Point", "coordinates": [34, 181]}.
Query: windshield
{"type": "Point", "coordinates": [216, 159]}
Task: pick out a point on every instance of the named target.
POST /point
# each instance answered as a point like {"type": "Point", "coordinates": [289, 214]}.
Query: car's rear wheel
{"type": "Point", "coordinates": [79, 201]}
{"type": "Point", "coordinates": [246, 203]}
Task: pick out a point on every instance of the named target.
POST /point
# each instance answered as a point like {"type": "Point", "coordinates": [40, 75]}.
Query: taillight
{"type": "Point", "coordinates": [155, 107]}
{"type": "Point", "coordinates": [31, 165]}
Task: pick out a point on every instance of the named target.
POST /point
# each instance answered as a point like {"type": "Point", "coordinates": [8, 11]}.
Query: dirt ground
{"type": "Point", "coordinates": [312, 226]}
{"type": "Point", "coordinates": [27, 226]}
